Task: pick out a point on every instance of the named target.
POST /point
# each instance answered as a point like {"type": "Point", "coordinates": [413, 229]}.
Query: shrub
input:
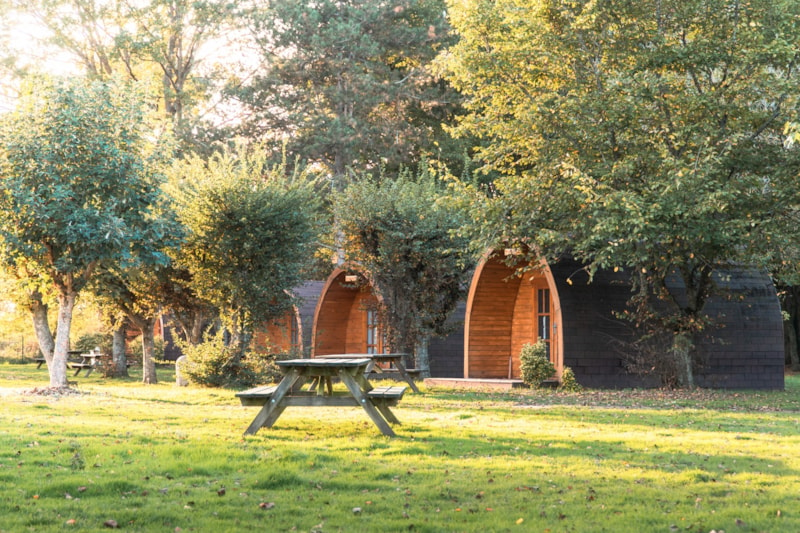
{"type": "Point", "coordinates": [534, 363]}
{"type": "Point", "coordinates": [213, 363]}
{"type": "Point", "coordinates": [568, 381]}
{"type": "Point", "coordinates": [90, 341]}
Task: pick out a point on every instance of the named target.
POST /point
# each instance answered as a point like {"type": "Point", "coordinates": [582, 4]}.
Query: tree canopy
{"type": "Point", "coordinates": [404, 235]}
{"type": "Point", "coordinates": [249, 227]}
{"type": "Point", "coordinates": [639, 135]}
{"type": "Point", "coordinates": [346, 83]}
{"type": "Point", "coordinates": [78, 185]}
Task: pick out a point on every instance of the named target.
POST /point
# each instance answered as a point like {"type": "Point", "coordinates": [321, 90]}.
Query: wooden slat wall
{"type": "Point", "coordinates": [523, 328]}
{"type": "Point", "coordinates": [357, 322]}
{"type": "Point", "coordinates": [333, 311]}
{"type": "Point", "coordinates": [491, 322]}
{"type": "Point", "coordinates": [502, 318]}
{"type": "Point", "coordinates": [275, 336]}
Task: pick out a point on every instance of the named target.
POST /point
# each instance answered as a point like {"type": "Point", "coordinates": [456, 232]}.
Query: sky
{"type": "Point", "coordinates": [21, 35]}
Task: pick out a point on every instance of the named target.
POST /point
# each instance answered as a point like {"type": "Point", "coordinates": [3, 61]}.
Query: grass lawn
{"type": "Point", "coordinates": [164, 458]}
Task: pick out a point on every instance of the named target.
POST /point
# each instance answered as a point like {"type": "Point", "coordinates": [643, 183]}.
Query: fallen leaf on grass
{"type": "Point", "coordinates": [266, 506]}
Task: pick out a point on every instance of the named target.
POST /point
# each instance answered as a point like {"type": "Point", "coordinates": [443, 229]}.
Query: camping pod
{"type": "Point", "coordinates": [579, 321]}
{"type": "Point", "coordinates": [347, 321]}
{"type": "Point", "coordinates": [291, 333]}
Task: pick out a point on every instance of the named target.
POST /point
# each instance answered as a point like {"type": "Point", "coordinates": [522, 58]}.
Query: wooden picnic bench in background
{"type": "Point", "coordinates": [382, 366]}
{"type": "Point", "coordinates": [79, 361]}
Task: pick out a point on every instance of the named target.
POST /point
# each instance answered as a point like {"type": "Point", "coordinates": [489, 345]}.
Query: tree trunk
{"type": "Point", "coordinates": [790, 303]}
{"type": "Point", "coordinates": [118, 357]}
{"type": "Point", "coordinates": [195, 336]}
{"type": "Point", "coordinates": [682, 354]}
{"type": "Point", "coordinates": [41, 326]}
{"type": "Point", "coordinates": [790, 344]}
{"type": "Point", "coordinates": [58, 368]}
{"type": "Point", "coordinates": [148, 352]}
{"type": "Point", "coordinates": [422, 356]}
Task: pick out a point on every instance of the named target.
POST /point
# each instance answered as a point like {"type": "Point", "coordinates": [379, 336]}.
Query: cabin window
{"type": "Point", "coordinates": [544, 318]}
{"type": "Point", "coordinates": [373, 332]}
{"type": "Point", "coordinates": [294, 334]}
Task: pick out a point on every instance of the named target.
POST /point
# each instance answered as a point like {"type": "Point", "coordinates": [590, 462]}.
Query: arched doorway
{"type": "Point", "coordinates": [346, 318]}
{"type": "Point", "coordinates": [506, 311]}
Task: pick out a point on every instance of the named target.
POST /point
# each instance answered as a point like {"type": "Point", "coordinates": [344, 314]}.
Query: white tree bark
{"type": "Point", "coordinates": [422, 356]}
{"type": "Point", "coordinates": [41, 327]}
{"type": "Point", "coordinates": [118, 351]}
{"type": "Point", "coordinates": [148, 352]}
{"type": "Point", "coordinates": [58, 366]}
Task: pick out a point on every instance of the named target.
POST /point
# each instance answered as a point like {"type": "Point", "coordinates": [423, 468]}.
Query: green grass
{"type": "Point", "coordinates": [163, 458]}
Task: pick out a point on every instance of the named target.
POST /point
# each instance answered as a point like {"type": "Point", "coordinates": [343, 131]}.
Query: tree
{"type": "Point", "coordinates": [346, 83]}
{"type": "Point", "coordinates": [76, 191]}
{"type": "Point", "coordinates": [138, 288]}
{"type": "Point", "coordinates": [639, 135]}
{"type": "Point", "coordinates": [250, 226]}
{"type": "Point", "coordinates": [161, 43]}
{"type": "Point", "coordinates": [406, 237]}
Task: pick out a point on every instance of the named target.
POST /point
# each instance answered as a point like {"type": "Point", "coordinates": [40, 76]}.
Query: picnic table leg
{"type": "Point", "coordinates": [398, 363]}
{"type": "Point", "coordinates": [387, 413]}
{"type": "Point", "coordinates": [274, 407]}
{"type": "Point", "coordinates": [365, 402]}
{"type": "Point", "coordinates": [78, 371]}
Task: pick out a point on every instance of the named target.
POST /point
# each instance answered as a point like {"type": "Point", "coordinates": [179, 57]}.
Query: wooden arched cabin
{"type": "Point", "coordinates": [579, 321]}
{"type": "Point", "coordinates": [346, 321]}
{"type": "Point", "coordinates": [292, 332]}
{"type": "Point", "coordinates": [289, 334]}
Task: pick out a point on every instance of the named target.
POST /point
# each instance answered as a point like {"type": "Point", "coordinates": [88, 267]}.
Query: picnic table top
{"type": "Point", "coordinates": [325, 363]}
{"type": "Point", "coordinates": [361, 355]}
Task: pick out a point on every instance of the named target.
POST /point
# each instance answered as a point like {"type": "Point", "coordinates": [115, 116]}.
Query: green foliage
{"type": "Point", "coordinates": [535, 365]}
{"type": "Point", "coordinates": [86, 142]}
{"type": "Point", "coordinates": [216, 363]}
{"type": "Point", "coordinates": [639, 135]}
{"type": "Point", "coordinates": [352, 82]}
{"type": "Point", "coordinates": [155, 43]}
{"type": "Point", "coordinates": [79, 186]}
{"type": "Point", "coordinates": [406, 238]}
{"type": "Point", "coordinates": [251, 226]}
{"type": "Point", "coordinates": [88, 342]}
{"type": "Point", "coordinates": [568, 381]}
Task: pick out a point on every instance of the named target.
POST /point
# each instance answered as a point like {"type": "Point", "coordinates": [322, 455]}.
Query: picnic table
{"type": "Point", "coordinates": [318, 374]}
{"type": "Point", "coordinates": [86, 361]}
{"type": "Point", "coordinates": [73, 356]}
{"type": "Point", "coordinates": [380, 363]}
